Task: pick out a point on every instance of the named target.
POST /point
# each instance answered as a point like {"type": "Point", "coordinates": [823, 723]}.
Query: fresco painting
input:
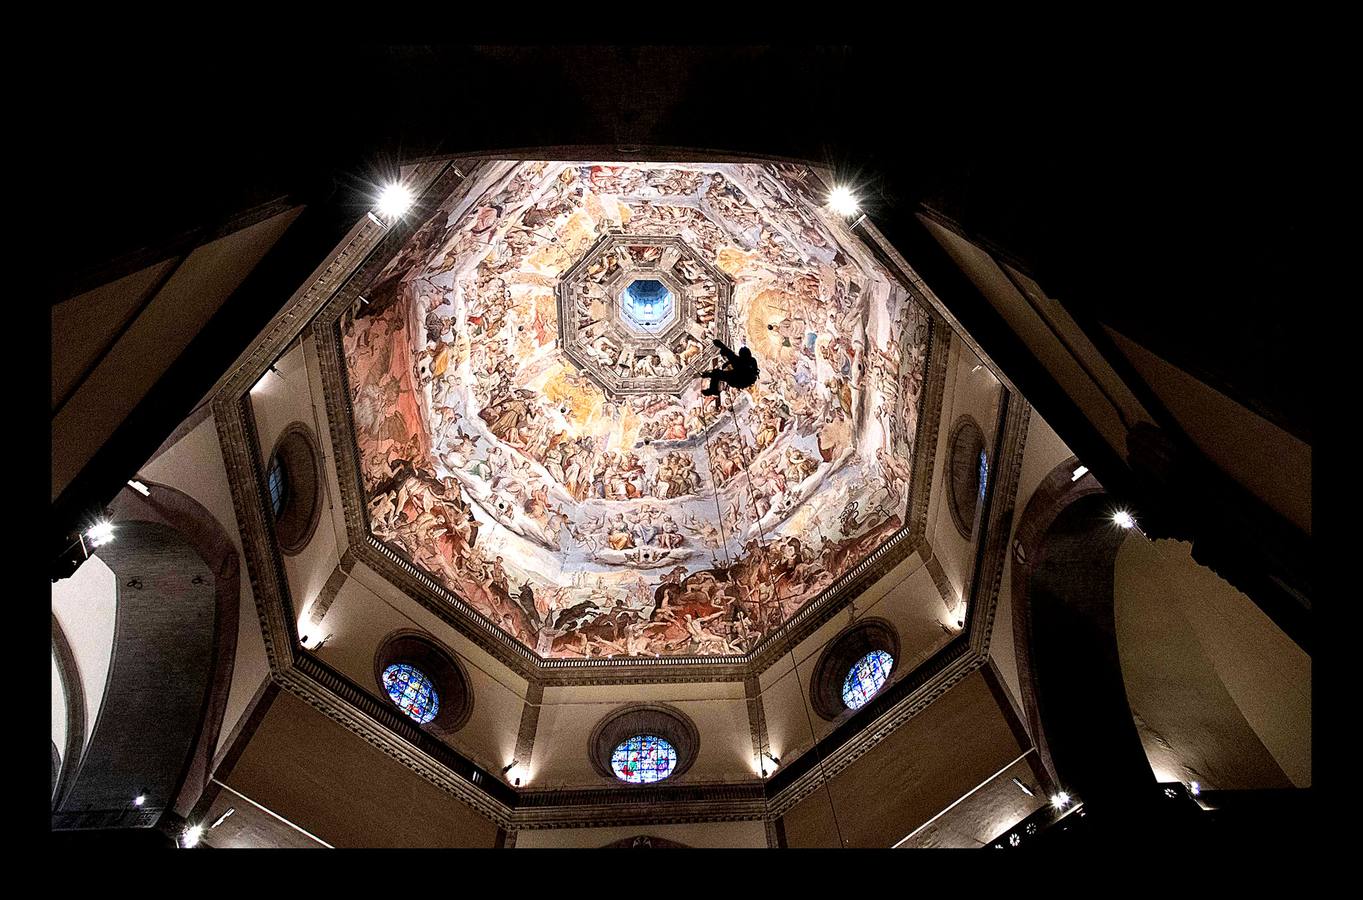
{"type": "Point", "coordinates": [548, 473]}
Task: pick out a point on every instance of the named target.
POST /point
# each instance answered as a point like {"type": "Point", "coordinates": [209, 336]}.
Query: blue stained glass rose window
{"type": "Point", "coordinates": [412, 692]}
{"type": "Point", "coordinates": [643, 759]}
{"type": "Point", "coordinates": [866, 677]}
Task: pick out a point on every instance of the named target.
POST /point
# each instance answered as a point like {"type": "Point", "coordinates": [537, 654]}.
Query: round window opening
{"type": "Point", "coordinates": [412, 692]}
{"type": "Point", "coordinates": [866, 676]}
{"type": "Point", "coordinates": [643, 759]}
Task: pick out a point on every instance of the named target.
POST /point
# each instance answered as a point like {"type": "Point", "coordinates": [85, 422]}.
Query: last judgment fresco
{"type": "Point", "coordinates": [530, 428]}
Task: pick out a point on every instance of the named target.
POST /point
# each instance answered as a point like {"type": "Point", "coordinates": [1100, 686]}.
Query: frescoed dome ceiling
{"type": "Point", "coordinates": [524, 387]}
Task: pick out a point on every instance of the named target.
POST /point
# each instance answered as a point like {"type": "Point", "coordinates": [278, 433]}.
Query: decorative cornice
{"type": "Point", "coordinates": [655, 804]}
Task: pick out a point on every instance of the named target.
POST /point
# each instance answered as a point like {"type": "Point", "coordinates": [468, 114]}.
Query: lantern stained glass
{"type": "Point", "coordinates": [643, 759]}
{"type": "Point", "coordinates": [412, 692]}
{"type": "Point", "coordinates": [866, 677]}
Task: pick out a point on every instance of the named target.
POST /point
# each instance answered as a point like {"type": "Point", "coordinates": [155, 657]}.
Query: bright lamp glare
{"type": "Point", "coordinates": [139, 799]}
{"type": "Point", "coordinates": [191, 836]}
{"type": "Point", "coordinates": [395, 200]}
{"type": "Point", "coordinates": [1123, 519]}
{"type": "Point", "coordinates": [1194, 788]}
{"type": "Point", "coordinates": [843, 202]}
{"type": "Point", "coordinates": [1060, 800]}
{"type": "Point", "coordinates": [100, 533]}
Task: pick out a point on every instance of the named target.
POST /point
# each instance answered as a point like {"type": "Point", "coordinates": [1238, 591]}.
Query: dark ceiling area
{"type": "Point", "coordinates": [1154, 189]}
{"type": "Point", "coordinates": [1159, 195]}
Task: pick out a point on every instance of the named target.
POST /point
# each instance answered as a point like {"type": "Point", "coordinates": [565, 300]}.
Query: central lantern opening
{"type": "Point", "coordinates": [648, 305]}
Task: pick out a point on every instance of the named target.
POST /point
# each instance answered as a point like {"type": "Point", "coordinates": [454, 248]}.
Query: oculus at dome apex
{"type": "Point", "coordinates": [530, 432]}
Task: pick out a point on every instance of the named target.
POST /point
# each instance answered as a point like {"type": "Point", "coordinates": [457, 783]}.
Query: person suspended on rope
{"type": "Point", "coordinates": [739, 370]}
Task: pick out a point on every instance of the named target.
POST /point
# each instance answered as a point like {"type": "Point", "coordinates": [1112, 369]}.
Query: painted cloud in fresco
{"type": "Point", "coordinates": [582, 497]}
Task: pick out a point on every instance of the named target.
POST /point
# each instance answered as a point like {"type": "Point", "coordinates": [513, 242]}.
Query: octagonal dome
{"type": "Point", "coordinates": [528, 422]}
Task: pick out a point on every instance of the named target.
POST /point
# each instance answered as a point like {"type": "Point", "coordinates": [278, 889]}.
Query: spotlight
{"type": "Point", "coordinates": [1025, 789]}
{"type": "Point", "coordinates": [1123, 519]}
{"type": "Point", "coordinates": [1060, 800]}
{"type": "Point", "coordinates": [191, 836]}
{"type": "Point", "coordinates": [1194, 788]}
{"type": "Point", "coordinates": [843, 202]}
{"type": "Point", "coordinates": [222, 818]}
{"type": "Point", "coordinates": [101, 533]}
{"type": "Point", "coordinates": [395, 200]}
{"type": "Point", "coordinates": [774, 761]}
{"type": "Point", "coordinates": [509, 766]}
{"type": "Point", "coordinates": [140, 799]}
{"type": "Point", "coordinates": [1079, 473]}
{"type": "Point", "coordinates": [518, 782]}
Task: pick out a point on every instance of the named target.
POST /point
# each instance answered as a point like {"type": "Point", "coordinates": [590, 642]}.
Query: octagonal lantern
{"type": "Point", "coordinates": [639, 314]}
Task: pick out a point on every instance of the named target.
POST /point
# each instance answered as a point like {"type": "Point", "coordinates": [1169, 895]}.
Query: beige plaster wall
{"type": "Point", "coordinates": [569, 714]}
{"type": "Point", "coordinates": [1042, 452]}
{"type": "Point", "coordinates": [972, 390]}
{"type": "Point", "coordinates": [1221, 696]}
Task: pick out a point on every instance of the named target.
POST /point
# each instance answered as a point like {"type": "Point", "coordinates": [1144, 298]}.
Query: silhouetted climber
{"type": "Point", "coordinates": [740, 370]}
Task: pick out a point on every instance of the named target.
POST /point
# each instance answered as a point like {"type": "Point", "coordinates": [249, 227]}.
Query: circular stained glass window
{"type": "Point", "coordinates": [866, 677]}
{"type": "Point", "coordinates": [412, 691]}
{"type": "Point", "coordinates": [643, 759]}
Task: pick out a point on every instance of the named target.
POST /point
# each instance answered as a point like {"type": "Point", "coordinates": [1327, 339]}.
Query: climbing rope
{"type": "Point", "coordinates": [752, 492]}
{"type": "Point", "coordinates": [719, 514]}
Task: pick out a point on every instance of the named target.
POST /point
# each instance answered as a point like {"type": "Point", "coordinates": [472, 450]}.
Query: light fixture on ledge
{"type": "Point", "coordinates": [843, 202]}
{"type": "Point", "coordinates": [394, 201]}
{"type": "Point", "coordinates": [100, 533]}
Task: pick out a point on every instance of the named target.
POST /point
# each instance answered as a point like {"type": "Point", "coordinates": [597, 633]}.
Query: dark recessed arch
{"type": "Point", "coordinates": [1064, 557]}
{"type": "Point", "coordinates": [178, 586]}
